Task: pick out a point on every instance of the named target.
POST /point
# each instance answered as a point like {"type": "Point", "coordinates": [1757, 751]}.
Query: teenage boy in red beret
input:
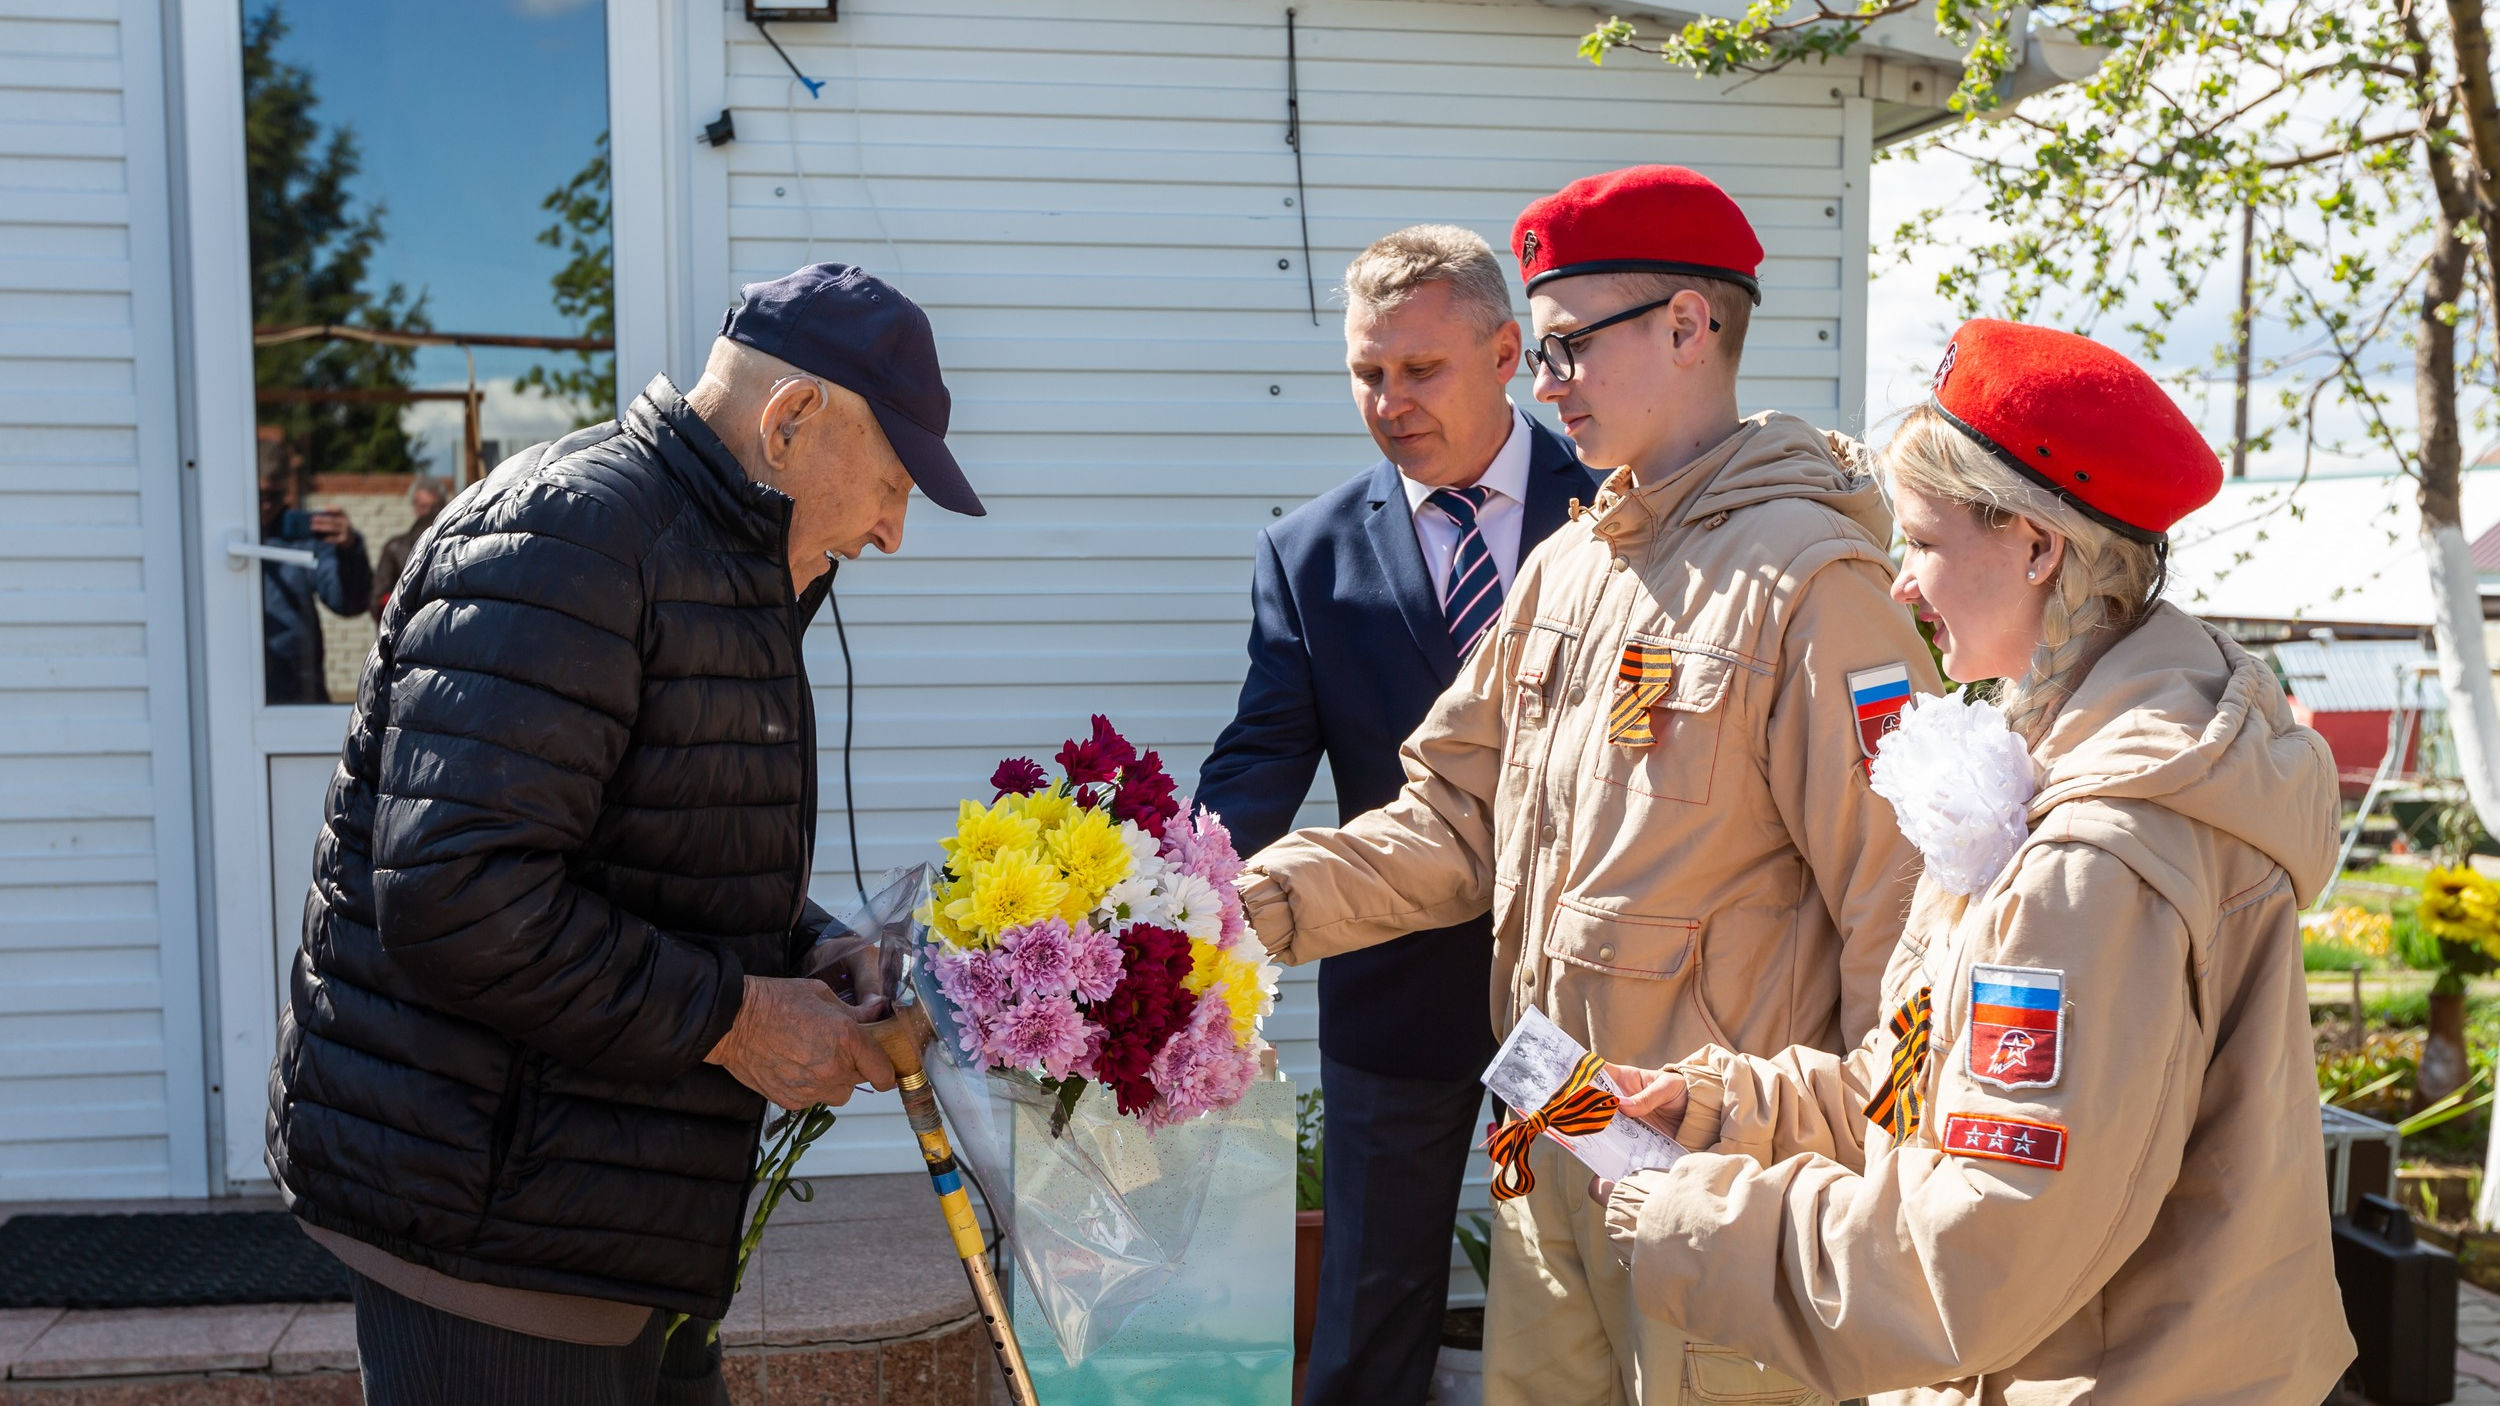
{"type": "Point", "coordinates": [1653, 768]}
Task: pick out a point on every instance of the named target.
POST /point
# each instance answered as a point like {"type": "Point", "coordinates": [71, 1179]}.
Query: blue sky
{"type": "Point", "coordinates": [468, 113]}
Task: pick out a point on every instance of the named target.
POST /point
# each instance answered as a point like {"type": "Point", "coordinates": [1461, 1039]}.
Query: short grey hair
{"type": "Point", "coordinates": [1389, 272]}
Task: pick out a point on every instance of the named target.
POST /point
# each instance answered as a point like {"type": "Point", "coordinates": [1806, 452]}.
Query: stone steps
{"type": "Point", "coordinates": [854, 1299]}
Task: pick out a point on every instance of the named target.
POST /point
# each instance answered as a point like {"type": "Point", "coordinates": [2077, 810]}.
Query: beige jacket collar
{"type": "Point", "coordinates": [1771, 455]}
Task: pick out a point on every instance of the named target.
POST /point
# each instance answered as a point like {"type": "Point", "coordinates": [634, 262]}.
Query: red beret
{"type": "Point", "coordinates": [2080, 420]}
{"type": "Point", "coordinates": [1641, 219]}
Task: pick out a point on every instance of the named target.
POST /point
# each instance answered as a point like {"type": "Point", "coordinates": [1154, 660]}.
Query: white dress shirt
{"type": "Point", "coordinates": [1499, 519]}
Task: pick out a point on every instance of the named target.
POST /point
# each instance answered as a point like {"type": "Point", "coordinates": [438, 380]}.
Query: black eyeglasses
{"type": "Point", "coordinates": [1554, 350]}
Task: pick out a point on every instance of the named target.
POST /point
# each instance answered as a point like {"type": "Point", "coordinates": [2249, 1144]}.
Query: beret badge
{"type": "Point", "coordinates": [1527, 248]}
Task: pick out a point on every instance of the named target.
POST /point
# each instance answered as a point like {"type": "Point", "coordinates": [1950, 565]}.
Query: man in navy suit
{"type": "Point", "coordinates": [1366, 598]}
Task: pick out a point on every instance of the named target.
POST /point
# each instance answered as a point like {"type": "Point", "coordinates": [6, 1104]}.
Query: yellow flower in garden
{"type": "Point", "coordinates": [2371, 934]}
{"type": "Point", "coordinates": [1091, 852]}
{"type": "Point", "coordinates": [1048, 809]}
{"type": "Point", "coordinates": [1009, 890]}
{"type": "Point", "coordinates": [2457, 906]}
{"type": "Point", "coordinates": [1210, 965]}
{"type": "Point", "coordinates": [983, 832]}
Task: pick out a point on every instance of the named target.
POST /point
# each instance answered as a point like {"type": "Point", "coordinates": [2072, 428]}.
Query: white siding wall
{"type": "Point", "coordinates": [1093, 199]}
{"type": "Point", "coordinates": [100, 1084]}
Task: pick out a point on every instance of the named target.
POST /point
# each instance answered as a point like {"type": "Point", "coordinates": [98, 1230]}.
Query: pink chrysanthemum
{"type": "Point", "coordinates": [977, 980]}
{"type": "Point", "coordinates": [1096, 963]}
{"type": "Point", "coordinates": [1040, 958]}
{"type": "Point", "coordinates": [1044, 1031]}
{"type": "Point", "coordinates": [1199, 1069]}
{"type": "Point", "coordinates": [1196, 842]}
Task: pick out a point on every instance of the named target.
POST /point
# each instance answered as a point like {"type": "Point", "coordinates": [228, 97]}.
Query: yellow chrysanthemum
{"type": "Point", "coordinates": [1048, 809]}
{"type": "Point", "coordinates": [983, 832]}
{"type": "Point", "coordinates": [934, 914]}
{"type": "Point", "coordinates": [1009, 890]}
{"type": "Point", "coordinates": [1210, 965]}
{"type": "Point", "coordinates": [1093, 856]}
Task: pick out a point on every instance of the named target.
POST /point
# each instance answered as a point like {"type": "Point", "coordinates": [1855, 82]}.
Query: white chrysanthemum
{"type": "Point", "coordinates": [1196, 908]}
{"type": "Point", "coordinates": [1959, 781]}
{"type": "Point", "coordinates": [1145, 852]}
{"type": "Point", "coordinates": [1136, 899]}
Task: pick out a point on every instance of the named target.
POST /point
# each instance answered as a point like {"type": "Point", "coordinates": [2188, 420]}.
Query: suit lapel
{"type": "Point", "coordinates": [1555, 477]}
{"type": "Point", "coordinates": [1391, 528]}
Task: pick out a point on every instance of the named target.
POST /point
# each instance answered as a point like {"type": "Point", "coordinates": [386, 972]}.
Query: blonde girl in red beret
{"type": "Point", "coordinates": [2080, 1160]}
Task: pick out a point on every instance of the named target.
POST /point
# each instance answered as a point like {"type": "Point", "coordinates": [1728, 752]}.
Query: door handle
{"type": "Point", "coordinates": [242, 550]}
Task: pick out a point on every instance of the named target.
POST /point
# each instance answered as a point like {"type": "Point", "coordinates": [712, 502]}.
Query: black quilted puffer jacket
{"type": "Point", "coordinates": [576, 806]}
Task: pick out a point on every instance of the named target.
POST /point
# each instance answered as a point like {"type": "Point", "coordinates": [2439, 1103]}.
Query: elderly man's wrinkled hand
{"type": "Point", "coordinates": [797, 1044]}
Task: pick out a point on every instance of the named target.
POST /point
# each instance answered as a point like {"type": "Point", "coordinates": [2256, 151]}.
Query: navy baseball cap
{"type": "Point", "coordinates": [852, 328]}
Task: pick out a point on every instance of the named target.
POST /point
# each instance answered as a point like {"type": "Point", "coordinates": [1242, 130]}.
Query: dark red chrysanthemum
{"type": "Point", "coordinates": [1107, 740]}
{"type": "Point", "coordinates": [1147, 795]}
{"type": "Point", "coordinates": [1099, 758]}
{"type": "Point", "coordinates": [1142, 1012]}
{"type": "Point", "coordinates": [1018, 776]}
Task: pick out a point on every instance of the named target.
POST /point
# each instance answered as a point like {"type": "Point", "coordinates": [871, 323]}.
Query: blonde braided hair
{"type": "Point", "coordinates": [2104, 584]}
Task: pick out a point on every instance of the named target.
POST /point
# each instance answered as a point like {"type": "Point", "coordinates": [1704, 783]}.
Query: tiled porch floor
{"type": "Point", "coordinates": [854, 1299]}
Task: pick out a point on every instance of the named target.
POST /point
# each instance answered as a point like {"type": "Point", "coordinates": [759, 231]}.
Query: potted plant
{"type": "Point", "coordinates": [1306, 1229]}
{"type": "Point", "coordinates": [1458, 1377]}
{"type": "Point", "coordinates": [2459, 921]}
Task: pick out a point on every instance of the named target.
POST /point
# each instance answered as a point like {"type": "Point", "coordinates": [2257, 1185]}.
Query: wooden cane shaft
{"type": "Point", "coordinates": [902, 1043]}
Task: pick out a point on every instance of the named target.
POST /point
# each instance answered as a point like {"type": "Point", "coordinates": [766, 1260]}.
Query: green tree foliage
{"type": "Point", "coordinates": [311, 248]}
{"type": "Point", "coordinates": [2362, 135]}
{"type": "Point", "coordinates": [584, 289]}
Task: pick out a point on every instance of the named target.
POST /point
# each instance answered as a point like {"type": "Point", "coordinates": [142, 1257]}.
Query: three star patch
{"type": "Point", "coordinates": [2002, 1139]}
{"type": "Point", "coordinates": [1642, 679]}
{"type": "Point", "coordinates": [2017, 1026]}
{"type": "Point", "coordinates": [1877, 696]}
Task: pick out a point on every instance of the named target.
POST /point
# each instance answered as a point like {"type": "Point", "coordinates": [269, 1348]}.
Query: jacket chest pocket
{"type": "Point", "coordinates": [1666, 705]}
{"type": "Point", "coordinates": [1539, 659]}
{"type": "Point", "coordinates": [1540, 686]}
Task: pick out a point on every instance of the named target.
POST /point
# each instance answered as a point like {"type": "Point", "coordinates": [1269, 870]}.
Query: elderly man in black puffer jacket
{"type": "Point", "coordinates": [550, 968]}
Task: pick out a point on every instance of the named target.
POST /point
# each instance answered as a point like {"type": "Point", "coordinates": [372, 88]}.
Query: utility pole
{"type": "Point", "coordinates": [2239, 410]}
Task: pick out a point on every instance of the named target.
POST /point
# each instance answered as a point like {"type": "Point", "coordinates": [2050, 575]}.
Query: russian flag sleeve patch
{"type": "Point", "coordinates": [2017, 1026]}
{"type": "Point", "coordinates": [1877, 697]}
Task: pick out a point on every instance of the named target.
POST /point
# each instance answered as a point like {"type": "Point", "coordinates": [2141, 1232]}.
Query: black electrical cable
{"type": "Point", "coordinates": [814, 85]}
{"type": "Point", "coordinates": [1293, 138]}
{"type": "Point", "coordinates": [850, 715]}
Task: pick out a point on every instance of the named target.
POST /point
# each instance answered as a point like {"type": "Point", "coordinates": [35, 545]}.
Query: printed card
{"type": "Point", "coordinates": [1532, 1066]}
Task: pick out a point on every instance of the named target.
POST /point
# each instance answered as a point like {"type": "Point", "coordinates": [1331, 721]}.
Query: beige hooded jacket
{"type": "Point", "coordinates": [2133, 1213]}
{"type": "Point", "coordinates": [1732, 880]}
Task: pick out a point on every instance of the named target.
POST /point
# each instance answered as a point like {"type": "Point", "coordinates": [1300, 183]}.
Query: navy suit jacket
{"type": "Point", "coordinates": [1348, 650]}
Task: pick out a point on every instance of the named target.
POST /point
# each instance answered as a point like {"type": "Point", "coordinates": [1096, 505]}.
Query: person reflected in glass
{"type": "Point", "coordinates": [426, 498]}
{"type": "Point", "coordinates": [341, 577]}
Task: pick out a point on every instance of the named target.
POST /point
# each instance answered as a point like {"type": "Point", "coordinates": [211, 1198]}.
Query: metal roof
{"type": "Point", "coordinates": [2361, 676]}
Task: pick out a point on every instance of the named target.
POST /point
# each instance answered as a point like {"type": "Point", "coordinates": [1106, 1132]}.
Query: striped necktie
{"type": "Point", "coordinates": [1474, 595]}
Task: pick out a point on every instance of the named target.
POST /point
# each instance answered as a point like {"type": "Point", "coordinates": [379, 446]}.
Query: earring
{"type": "Point", "coordinates": [2032, 575]}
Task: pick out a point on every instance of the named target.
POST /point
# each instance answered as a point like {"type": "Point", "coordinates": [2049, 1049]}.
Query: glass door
{"type": "Point", "coordinates": [399, 252]}
{"type": "Point", "coordinates": [430, 251]}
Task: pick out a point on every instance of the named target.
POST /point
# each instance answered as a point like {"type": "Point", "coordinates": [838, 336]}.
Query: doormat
{"type": "Point", "coordinates": [161, 1260]}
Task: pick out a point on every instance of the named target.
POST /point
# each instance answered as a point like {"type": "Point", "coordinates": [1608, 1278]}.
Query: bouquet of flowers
{"type": "Point", "coordinates": [1085, 931]}
{"type": "Point", "coordinates": [1084, 934]}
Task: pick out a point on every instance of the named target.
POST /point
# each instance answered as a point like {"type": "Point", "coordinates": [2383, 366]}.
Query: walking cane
{"type": "Point", "coordinates": [902, 1036]}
